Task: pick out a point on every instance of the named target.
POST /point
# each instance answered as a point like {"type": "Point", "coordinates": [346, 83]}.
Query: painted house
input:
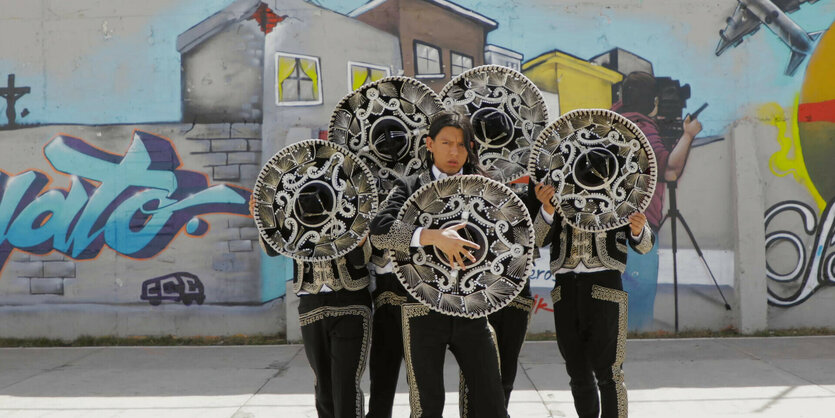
{"type": "Point", "coordinates": [568, 82]}
{"type": "Point", "coordinates": [439, 39]}
{"type": "Point", "coordinates": [222, 66]}
{"type": "Point", "coordinates": [314, 57]}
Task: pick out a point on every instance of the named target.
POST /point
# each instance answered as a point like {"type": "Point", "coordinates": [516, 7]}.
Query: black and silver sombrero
{"type": "Point", "coordinates": [314, 200]}
{"type": "Point", "coordinates": [507, 112]}
{"type": "Point", "coordinates": [497, 221]}
{"type": "Point", "coordinates": [384, 123]}
{"type": "Point", "coordinates": [602, 166]}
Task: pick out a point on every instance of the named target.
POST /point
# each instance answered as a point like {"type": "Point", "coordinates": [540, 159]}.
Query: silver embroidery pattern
{"type": "Point", "coordinates": [620, 241]}
{"type": "Point", "coordinates": [556, 295]}
{"type": "Point", "coordinates": [380, 260]}
{"type": "Point", "coordinates": [605, 259]}
{"type": "Point", "coordinates": [359, 310]}
{"type": "Point", "coordinates": [463, 390]}
{"type": "Point", "coordinates": [645, 245]}
{"type": "Point", "coordinates": [409, 311]}
{"type": "Point", "coordinates": [496, 219]}
{"type": "Point", "coordinates": [557, 263]}
{"type": "Point", "coordinates": [541, 229]}
{"type": "Point", "coordinates": [398, 237]}
{"type": "Point", "coordinates": [463, 399]}
{"type": "Point", "coordinates": [345, 278]}
{"type": "Point", "coordinates": [323, 275]}
{"type": "Point", "coordinates": [582, 250]}
{"type": "Point", "coordinates": [622, 299]}
{"type": "Point", "coordinates": [507, 113]}
{"type": "Point", "coordinates": [384, 123]}
{"type": "Point", "coordinates": [389, 298]}
{"type": "Point", "coordinates": [601, 164]}
{"type": "Point", "coordinates": [314, 201]}
{"type": "Point", "coordinates": [522, 303]}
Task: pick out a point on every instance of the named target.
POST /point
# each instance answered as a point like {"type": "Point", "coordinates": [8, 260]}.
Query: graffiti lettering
{"type": "Point", "coordinates": [135, 204]}
{"type": "Point", "coordinates": [541, 274]}
{"type": "Point", "coordinates": [812, 274]}
{"type": "Point", "coordinates": [540, 303]}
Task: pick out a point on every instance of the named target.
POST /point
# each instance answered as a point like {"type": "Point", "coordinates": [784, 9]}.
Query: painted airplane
{"type": "Point", "coordinates": [750, 14]}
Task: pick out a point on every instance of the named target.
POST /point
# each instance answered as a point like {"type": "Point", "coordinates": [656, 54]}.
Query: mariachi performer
{"type": "Point", "coordinates": [461, 244]}
{"type": "Point", "coordinates": [313, 201]}
{"type": "Point", "coordinates": [507, 112]}
{"type": "Point", "coordinates": [384, 123]}
{"type": "Point", "coordinates": [597, 173]}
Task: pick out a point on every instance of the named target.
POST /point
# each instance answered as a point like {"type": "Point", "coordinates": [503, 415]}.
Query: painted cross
{"type": "Point", "coordinates": [11, 94]}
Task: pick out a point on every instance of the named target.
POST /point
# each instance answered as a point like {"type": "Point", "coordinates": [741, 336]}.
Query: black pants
{"type": "Point", "coordinates": [426, 336]}
{"type": "Point", "coordinates": [336, 329]}
{"type": "Point", "coordinates": [387, 350]}
{"type": "Point", "coordinates": [510, 325]}
{"type": "Point", "coordinates": [590, 316]}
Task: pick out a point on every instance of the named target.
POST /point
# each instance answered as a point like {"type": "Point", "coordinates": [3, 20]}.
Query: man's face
{"type": "Point", "coordinates": [448, 149]}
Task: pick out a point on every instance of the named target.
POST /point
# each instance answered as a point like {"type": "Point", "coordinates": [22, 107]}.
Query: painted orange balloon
{"type": "Point", "coordinates": [816, 116]}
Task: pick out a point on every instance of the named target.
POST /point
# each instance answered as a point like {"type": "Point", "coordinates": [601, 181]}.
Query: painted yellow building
{"type": "Point", "coordinates": [578, 84]}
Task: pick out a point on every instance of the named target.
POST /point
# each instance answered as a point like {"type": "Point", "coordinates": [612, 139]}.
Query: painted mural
{"type": "Point", "coordinates": [135, 204]}
{"type": "Point", "coordinates": [806, 141]}
{"type": "Point", "coordinates": [131, 140]}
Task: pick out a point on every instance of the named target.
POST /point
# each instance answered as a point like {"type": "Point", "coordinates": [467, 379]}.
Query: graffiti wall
{"type": "Point", "coordinates": [132, 134]}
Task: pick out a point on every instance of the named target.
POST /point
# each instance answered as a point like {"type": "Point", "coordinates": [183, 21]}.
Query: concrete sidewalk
{"type": "Point", "coordinates": [739, 377]}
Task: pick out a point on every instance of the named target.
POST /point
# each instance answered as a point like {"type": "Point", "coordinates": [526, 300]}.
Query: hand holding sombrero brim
{"type": "Point", "coordinates": [496, 221]}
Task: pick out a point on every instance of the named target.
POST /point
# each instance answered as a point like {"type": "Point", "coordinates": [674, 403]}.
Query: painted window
{"type": "Point", "coordinates": [513, 64]}
{"type": "Point", "coordinates": [298, 80]}
{"type": "Point", "coordinates": [360, 74]}
{"type": "Point", "coordinates": [460, 63]}
{"type": "Point", "coordinates": [427, 60]}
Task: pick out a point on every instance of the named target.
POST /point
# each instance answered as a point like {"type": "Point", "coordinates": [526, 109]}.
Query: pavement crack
{"type": "Point", "coordinates": [541, 399]}
{"type": "Point", "coordinates": [766, 361]}
{"type": "Point", "coordinates": [62, 366]}
{"type": "Point", "coordinates": [280, 368]}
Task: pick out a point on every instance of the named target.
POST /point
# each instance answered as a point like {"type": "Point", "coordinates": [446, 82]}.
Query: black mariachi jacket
{"type": "Point", "coordinates": [387, 232]}
{"type": "Point", "coordinates": [606, 249]}
{"type": "Point", "coordinates": [348, 272]}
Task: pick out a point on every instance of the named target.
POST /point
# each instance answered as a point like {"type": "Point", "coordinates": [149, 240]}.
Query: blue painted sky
{"type": "Point", "coordinates": [135, 77]}
{"type": "Point", "coordinates": [683, 49]}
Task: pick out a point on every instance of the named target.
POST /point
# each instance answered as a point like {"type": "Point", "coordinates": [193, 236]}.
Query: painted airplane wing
{"type": "Point", "coordinates": [798, 57]}
{"type": "Point", "coordinates": [794, 62]}
{"type": "Point", "coordinates": [742, 23]}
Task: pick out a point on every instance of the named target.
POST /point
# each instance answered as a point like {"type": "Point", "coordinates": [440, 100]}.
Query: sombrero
{"type": "Point", "coordinates": [507, 112]}
{"type": "Point", "coordinates": [497, 221]}
{"type": "Point", "coordinates": [314, 200]}
{"type": "Point", "coordinates": [384, 123]}
{"type": "Point", "coordinates": [602, 166]}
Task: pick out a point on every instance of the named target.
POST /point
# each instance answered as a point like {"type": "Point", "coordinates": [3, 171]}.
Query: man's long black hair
{"type": "Point", "coordinates": [452, 119]}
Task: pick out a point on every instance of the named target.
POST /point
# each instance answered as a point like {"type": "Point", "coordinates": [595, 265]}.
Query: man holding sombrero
{"type": "Point", "coordinates": [597, 168]}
